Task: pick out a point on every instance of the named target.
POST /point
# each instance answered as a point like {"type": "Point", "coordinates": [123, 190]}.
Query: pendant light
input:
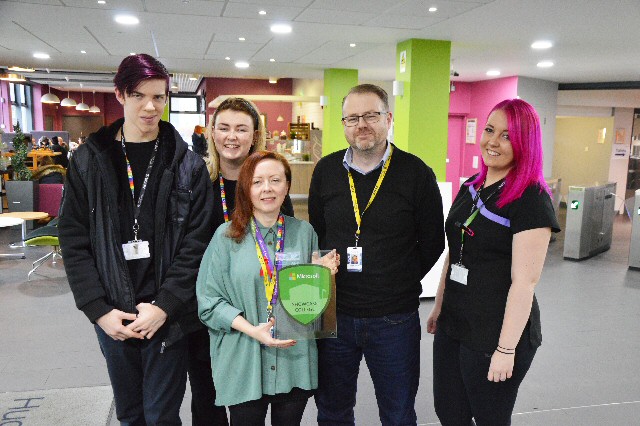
{"type": "Point", "coordinates": [82, 106]}
{"type": "Point", "coordinates": [94, 109]}
{"type": "Point", "coordinates": [68, 102]}
{"type": "Point", "coordinates": [50, 98]}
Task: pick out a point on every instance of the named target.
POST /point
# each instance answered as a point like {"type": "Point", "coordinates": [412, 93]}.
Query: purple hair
{"type": "Point", "coordinates": [526, 141]}
{"type": "Point", "coordinates": [134, 69]}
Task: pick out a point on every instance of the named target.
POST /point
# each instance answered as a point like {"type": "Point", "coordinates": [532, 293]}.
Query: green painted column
{"type": "Point", "coordinates": [422, 112]}
{"type": "Point", "coordinates": [337, 83]}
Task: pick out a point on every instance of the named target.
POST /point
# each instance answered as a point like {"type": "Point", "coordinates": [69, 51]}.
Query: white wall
{"type": "Point", "coordinates": [618, 167]}
{"type": "Point", "coordinates": [311, 111]}
{"type": "Point", "coordinates": [543, 96]}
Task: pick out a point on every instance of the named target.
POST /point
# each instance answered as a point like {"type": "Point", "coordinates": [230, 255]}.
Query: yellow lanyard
{"type": "Point", "coordinates": [354, 198]}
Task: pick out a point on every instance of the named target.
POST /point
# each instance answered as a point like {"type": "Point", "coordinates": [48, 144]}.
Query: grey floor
{"type": "Point", "coordinates": [585, 373]}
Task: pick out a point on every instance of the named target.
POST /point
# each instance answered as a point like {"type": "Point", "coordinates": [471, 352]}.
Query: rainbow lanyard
{"type": "Point", "coordinates": [354, 198]}
{"type": "Point", "coordinates": [268, 272]}
{"type": "Point", "coordinates": [136, 210]}
{"type": "Point", "coordinates": [223, 195]}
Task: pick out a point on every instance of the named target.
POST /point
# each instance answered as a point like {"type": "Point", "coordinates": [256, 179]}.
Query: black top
{"type": "Point", "coordinates": [402, 232]}
{"type": "Point", "coordinates": [230, 196]}
{"type": "Point", "coordinates": [473, 313]}
{"type": "Point", "coordinates": [141, 271]}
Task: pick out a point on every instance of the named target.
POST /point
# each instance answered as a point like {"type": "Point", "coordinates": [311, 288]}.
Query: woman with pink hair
{"type": "Point", "coordinates": [486, 318]}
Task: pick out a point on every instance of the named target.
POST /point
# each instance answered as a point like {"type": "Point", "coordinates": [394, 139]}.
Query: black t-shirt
{"type": "Point", "coordinates": [141, 271]}
{"type": "Point", "coordinates": [473, 313]}
{"type": "Point", "coordinates": [230, 198]}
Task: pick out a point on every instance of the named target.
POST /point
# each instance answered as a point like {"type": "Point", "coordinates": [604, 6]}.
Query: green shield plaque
{"type": "Point", "coordinates": [304, 291]}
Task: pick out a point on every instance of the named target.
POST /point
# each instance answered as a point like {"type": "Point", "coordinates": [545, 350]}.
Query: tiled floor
{"type": "Point", "coordinates": [585, 373]}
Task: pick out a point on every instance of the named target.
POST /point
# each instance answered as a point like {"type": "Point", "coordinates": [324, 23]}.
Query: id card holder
{"type": "Point", "coordinates": [459, 273]}
{"type": "Point", "coordinates": [354, 259]}
{"type": "Point", "coordinates": [136, 249]}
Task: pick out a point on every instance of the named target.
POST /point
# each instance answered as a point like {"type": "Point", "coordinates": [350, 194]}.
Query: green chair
{"type": "Point", "coordinates": [44, 236]}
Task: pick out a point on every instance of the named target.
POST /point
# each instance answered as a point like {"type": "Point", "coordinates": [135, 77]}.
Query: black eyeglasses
{"type": "Point", "coordinates": [369, 118]}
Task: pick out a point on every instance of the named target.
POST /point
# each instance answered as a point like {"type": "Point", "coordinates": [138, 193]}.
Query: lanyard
{"type": "Point", "coordinates": [354, 198]}
{"type": "Point", "coordinates": [223, 195]}
{"type": "Point", "coordinates": [269, 272]}
{"type": "Point", "coordinates": [472, 215]}
{"type": "Point", "coordinates": [136, 210]}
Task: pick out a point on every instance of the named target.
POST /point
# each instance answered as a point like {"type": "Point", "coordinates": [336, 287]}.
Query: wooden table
{"type": "Point", "coordinates": [25, 216]}
{"type": "Point", "coordinates": [36, 155]}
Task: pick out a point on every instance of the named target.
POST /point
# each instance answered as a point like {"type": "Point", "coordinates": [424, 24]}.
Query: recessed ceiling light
{"type": "Point", "coordinates": [132, 53]}
{"type": "Point", "coordinates": [241, 38]}
{"type": "Point", "coordinates": [263, 12]}
{"type": "Point", "coordinates": [352, 45]}
{"type": "Point", "coordinates": [541, 44]}
{"type": "Point", "coordinates": [101, 2]}
{"type": "Point", "coordinates": [272, 60]}
{"type": "Point", "coordinates": [127, 19]}
{"type": "Point", "coordinates": [273, 80]}
{"type": "Point", "coordinates": [281, 28]}
{"type": "Point", "coordinates": [242, 64]}
{"type": "Point", "coordinates": [41, 55]}
{"type": "Point", "coordinates": [433, 9]}
{"type": "Point", "coordinates": [226, 58]}
{"type": "Point", "coordinates": [193, 78]}
{"type": "Point", "coordinates": [493, 73]}
{"type": "Point", "coordinates": [83, 51]}
{"type": "Point", "coordinates": [545, 64]}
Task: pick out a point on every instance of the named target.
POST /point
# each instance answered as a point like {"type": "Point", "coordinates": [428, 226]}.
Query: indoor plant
{"type": "Point", "coordinates": [22, 192]}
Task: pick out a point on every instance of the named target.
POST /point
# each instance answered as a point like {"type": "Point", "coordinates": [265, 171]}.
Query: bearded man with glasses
{"type": "Point", "coordinates": [382, 209]}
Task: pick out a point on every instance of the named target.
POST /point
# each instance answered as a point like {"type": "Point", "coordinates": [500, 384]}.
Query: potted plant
{"type": "Point", "coordinates": [22, 192]}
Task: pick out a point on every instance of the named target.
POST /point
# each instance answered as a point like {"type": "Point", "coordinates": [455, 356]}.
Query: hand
{"type": "Point", "coordinates": [262, 333]}
{"type": "Point", "coordinates": [331, 260]}
{"type": "Point", "coordinates": [149, 319]}
{"type": "Point", "coordinates": [111, 323]}
{"type": "Point", "coordinates": [432, 320]}
{"type": "Point", "coordinates": [501, 367]}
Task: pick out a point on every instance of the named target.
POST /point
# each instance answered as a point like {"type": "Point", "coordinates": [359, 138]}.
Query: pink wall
{"type": "Point", "coordinates": [238, 86]}
{"type": "Point", "coordinates": [38, 117]}
{"type": "Point", "coordinates": [472, 100]}
{"type": "Point", "coordinates": [5, 117]}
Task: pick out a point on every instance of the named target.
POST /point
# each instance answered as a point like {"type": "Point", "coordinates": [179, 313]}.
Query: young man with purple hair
{"type": "Point", "coordinates": [134, 224]}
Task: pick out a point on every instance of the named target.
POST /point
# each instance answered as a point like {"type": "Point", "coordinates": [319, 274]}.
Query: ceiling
{"type": "Point", "coordinates": [594, 41]}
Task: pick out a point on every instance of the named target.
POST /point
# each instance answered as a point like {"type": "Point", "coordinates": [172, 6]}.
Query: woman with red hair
{"type": "Point", "coordinates": [486, 318]}
{"type": "Point", "coordinates": [237, 289]}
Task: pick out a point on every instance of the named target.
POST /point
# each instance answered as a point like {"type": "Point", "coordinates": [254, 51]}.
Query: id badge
{"type": "Point", "coordinates": [136, 250]}
{"type": "Point", "coordinates": [354, 259]}
{"type": "Point", "coordinates": [459, 273]}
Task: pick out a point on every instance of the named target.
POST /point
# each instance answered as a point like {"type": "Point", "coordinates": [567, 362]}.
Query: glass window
{"type": "Point", "coordinates": [180, 104]}
{"type": "Point", "coordinates": [23, 95]}
{"type": "Point", "coordinates": [21, 106]}
{"type": "Point", "coordinates": [12, 92]}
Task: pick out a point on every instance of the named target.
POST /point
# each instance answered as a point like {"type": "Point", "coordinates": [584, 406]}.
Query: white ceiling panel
{"type": "Point", "coordinates": [37, 2]}
{"type": "Point", "coordinates": [192, 7]}
{"type": "Point", "coordinates": [421, 8]}
{"type": "Point", "coordinates": [287, 50]}
{"type": "Point", "coordinates": [333, 52]}
{"type": "Point", "coordinates": [119, 5]}
{"type": "Point", "coordinates": [373, 6]}
{"type": "Point", "coordinates": [236, 51]}
{"type": "Point", "coordinates": [402, 22]}
{"type": "Point", "coordinates": [326, 16]}
{"type": "Point", "coordinates": [250, 11]}
{"type": "Point", "coordinates": [293, 3]}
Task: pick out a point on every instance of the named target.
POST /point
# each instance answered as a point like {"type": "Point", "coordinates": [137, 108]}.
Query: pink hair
{"type": "Point", "coordinates": [526, 142]}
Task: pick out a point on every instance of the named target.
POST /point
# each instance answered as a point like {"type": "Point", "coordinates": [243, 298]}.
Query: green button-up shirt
{"type": "Point", "coordinates": [229, 284]}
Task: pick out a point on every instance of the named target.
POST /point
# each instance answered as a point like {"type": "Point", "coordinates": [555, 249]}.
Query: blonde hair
{"type": "Point", "coordinates": [259, 137]}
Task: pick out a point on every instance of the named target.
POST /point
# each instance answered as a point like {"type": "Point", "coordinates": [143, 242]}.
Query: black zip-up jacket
{"type": "Point", "coordinates": [90, 235]}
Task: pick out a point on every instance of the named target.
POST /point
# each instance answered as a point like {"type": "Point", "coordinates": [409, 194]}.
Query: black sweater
{"type": "Point", "coordinates": [402, 232]}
